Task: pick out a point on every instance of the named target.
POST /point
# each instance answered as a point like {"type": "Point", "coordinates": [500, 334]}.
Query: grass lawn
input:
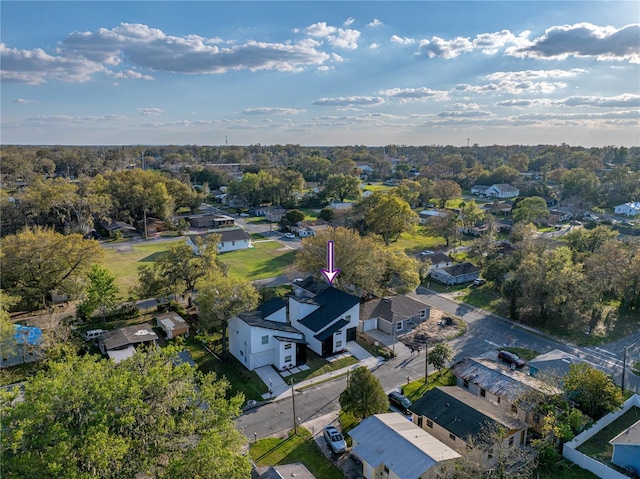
{"type": "Point", "coordinates": [264, 260]}
{"type": "Point", "coordinates": [523, 353]}
{"type": "Point", "coordinates": [565, 470]}
{"type": "Point", "coordinates": [483, 297]}
{"type": "Point", "coordinates": [413, 243]}
{"type": "Point", "coordinates": [598, 446]}
{"type": "Point", "coordinates": [416, 389]}
{"type": "Point", "coordinates": [124, 266]}
{"type": "Point", "coordinates": [301, 448]}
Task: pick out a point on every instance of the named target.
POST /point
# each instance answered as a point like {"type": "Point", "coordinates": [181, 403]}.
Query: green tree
{"type": "Point", "coordinates": [220, 298]}
{"type": "Point", "coordinates": [440, 355]}
{"type": "Point", "coordinates": [341, 187]}
{"type": "Point", "coordinates": [470, 214]}
{"type": "Point", "coordinates": [291, 217]}
{"type": "Point", "coordinates": [88, 417]}
{"type": "Point", "coordinates": [35, 262]}
{"type": "Point", "coordinates": [101, 293]}
{"type": "Point", "coordinates": [592, 390]}
{"type": "Point", "coordinates": [387, 215]}
{"type": "Point", "coordinates": [363, 395]}
{"type": "Point", "coordinates": [326, 214]}
{"type": "Point", "coordinates": [445, 190]}
{"type": "Point", "coordinates": [443, 226]}
{"type": "Point", "coordinates": [530, 209]}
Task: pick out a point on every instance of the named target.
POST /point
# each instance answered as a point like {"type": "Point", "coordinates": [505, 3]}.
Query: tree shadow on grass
{"type": "Point", "coordinates": [152, 258]}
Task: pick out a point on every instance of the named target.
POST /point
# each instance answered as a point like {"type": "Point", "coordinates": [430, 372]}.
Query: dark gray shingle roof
{"type": "Point", "coordinates": [393, 309]}
{"type": "Point", "coordinates": [333, 303]}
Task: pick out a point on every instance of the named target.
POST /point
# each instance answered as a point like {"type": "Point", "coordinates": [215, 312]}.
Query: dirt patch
{"type": "Point", "coordinates": [438, 328]}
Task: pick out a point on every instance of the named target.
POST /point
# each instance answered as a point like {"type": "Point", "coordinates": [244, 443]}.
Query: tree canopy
{"type": "Point", "coordinates": [387, 215]}
{"type": "Point", "coordinates": [341, 187]}
{"type": "Point", "coordinates": [593, 391]}
{"type": "Point", "coordinates": [87, 417]}
{"type": "Point", "coordinates": [363, 395]}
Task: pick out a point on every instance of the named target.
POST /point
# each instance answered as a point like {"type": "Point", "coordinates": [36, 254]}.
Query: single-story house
{"type": "Point", "coordinates": [554, 364]}
{"type": "Point", "coordinates": [172, 324]}
{"type": "Point", "coordinates": [153, 226]}
{"type": "Point", "coordinates": [119, 344]}
{"type": "Point", "coordinates": [116, 226]}
{"type": "Point", "coordinates": [275, 213]}
{"type": "Point", "coordinates": [264, 336]}
{"type": "Point", "coordinates": [512, 390]}
{"type": "Point", "coordinates": [390, 446]}
{"type": "Point", "coordinates": [438, 260]}
{"type": "Point", "coordinates": [393, 315]}
{"type": "Point", "coordinates": [460, 419]}
{"type": "Point", "coordinates": [500, 207]}
{"type": "Point", "coordinates": [479, 190]}
{"type": "Point", "coordinates": [628, 209]}
{"type": "Point", "coordinates": [626, 448]}
{"type": "Point", "coordinates": [340, 205]}
{"type": "Point", "coordinates": [326, 316]}
{"type": "Point", "coordinates": [211, 221]}
{"type": "Point", "coordinates": [230, 240]}
{"type": "Point", "coordinates": [425, 215]}
{"type": "Point", "coordinates": [25, 346]}
{"type": "Point", "coordinates": [502, 190]}
{"type": "Point", "coordinates": [308, 228]}
{"type": "Point", "coordinates": [456, 274]}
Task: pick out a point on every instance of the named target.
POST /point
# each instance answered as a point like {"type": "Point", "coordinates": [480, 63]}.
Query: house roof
{"type": "Point", "coordinates": [479, 187]}
{"type": "Point", "coordinates": [290, 340]}
{"type": "Point", "coordinates": [255, 319]}
{"type": "Point", "coordinates": [554, 362]}
{"type": "Point", "coordinates": [311, 284]}
{"type": "Point", "coordinates": [460, 269]}
{"type": "Point", "coordinates": [118, 225]}
{"type": "Point", "coordinates": [628, 437]}
{"type": "Point", "coordinates": [296, 469]}
{"type": "Point", "coordinates": [333, 303]}
{"type": "Point", "coordinates": [234, 235]}
{"type": "Point", "coordinates": [271, 306]}
{"type": "Point", "coordinates": [393, 309]}
{"type": "Point", "coordinates": [27, 334]}
{"type": "Point", "coordinates": [403, 447]}
{"type": "Point", "coordinates": [498, 380]}
{"type": "Point", "coordinates": [504, 187]}
{"type": "Point", "coordinates": [331, 329]}
{"type": "Point", "coordinates": [462, 413]}
{"type": "Point", "coordinates": [136, 334]}
{"type": "Point", "coordinates": [437, 258]}
{"type": "Point", "coordinates": [171, 321]}
{"type": "Point", "coordinates": [632, 204]}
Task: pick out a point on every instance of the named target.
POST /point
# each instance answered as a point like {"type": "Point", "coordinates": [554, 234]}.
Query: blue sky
{"type": "Point", "coordinates": [320, 73]}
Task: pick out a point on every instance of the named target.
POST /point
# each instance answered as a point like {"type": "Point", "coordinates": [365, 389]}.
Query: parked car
{"type": "Point", "coordinates": [511, 359]}
{"type": "Point", "coordinates": [399, 401]}
{"type": "Point", "coordinates": [479, 282]}
{"type": "Point", "coordinates": [93, 334]}
{"type": "Point", "coordinates": [334, 439]}
{"type": "Point", "coordinates": [289, 235]}
{"type": "Point", "coordinates": [426, 252]}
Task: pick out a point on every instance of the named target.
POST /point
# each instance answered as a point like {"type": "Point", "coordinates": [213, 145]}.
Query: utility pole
{"type": "Point", "coordinates": [426, 362]}
{"type": "Point", "coordinates": [624, 363]}
{"type": "Point", "coordinates": [293, 403]}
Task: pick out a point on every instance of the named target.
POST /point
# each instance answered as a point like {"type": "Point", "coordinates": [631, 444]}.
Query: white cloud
{"type": "Point", "coordinates": [351, 101]}
{"type": "Point", "coordinates": [374, 46]}
{"type": "Point", "coordinates": [464, 113]}
{"type": "Point", "coordinates": [49, 119]}
{"type": "Point", "coordinates": [438, 47]}
{"type": "Point", "coordinates": [412, 94]}
{"type": "Point", "coordinates": [131, 75]}
{"type": "Point", "coordinates": [402, 40]}
{"type": "Point", "coordinates": [348, 21]}
{"type": "Point", "coordinates": [626, 114]}
{"type": "Point", "coordinates": [517, 76]}
{"type": "Point", "coordinates": [23, 101]}
{"type": "Point", "coordinates": [150, 111]}
{"type": "Point", "coordinates": [585, 40]}
{"type": "Point", "coordinates": [375, 23]}
{"type": "Point", "coordinates": [338, 37]}
{"type": "Point", "coordinates": [620, 101]}
{"type": "Point", "coordinates": [513, 87]}
{"type": "Point", "coordinates": [465, 106]}
{"type": "Point", "coordinates": [272, 111]}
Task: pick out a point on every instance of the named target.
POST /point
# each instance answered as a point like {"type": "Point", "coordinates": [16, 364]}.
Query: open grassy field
{"type": "Point", "coordinates": [265, 260]}
{"type": "Point", "coordinates": [413, 243]}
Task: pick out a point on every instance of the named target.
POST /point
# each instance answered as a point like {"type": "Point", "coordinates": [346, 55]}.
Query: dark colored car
{"type": "Point", "coordinates": [511, 358]}
{"type": "Point", "coordinates": [399, 401]}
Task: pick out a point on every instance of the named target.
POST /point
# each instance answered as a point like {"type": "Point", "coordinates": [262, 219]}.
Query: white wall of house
{"type": "Point", "coordinates": [299, 309]}
{"type": "Point", "coordinates": [628, 209]}
{"type": "Point", "coordinates": [353, 316]}
{"type": "Point", "coordinates": [285, 355]}
{"type": "Point", "coordinates": [235, 245]}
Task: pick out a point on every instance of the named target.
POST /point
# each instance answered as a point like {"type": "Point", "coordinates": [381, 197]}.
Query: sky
{"type": "Point", "coordinates": [319, 73]}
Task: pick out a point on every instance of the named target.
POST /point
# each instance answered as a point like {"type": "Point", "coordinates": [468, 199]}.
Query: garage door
{"type": "Point", "coordinates": [368, 324]}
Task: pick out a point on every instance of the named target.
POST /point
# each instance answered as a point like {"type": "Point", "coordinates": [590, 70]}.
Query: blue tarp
{"type": "Point", "coordinates": [30, 334]}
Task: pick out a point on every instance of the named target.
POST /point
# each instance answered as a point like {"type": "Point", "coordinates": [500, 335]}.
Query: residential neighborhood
{"type": "Point", "coordinates": [242, 291]}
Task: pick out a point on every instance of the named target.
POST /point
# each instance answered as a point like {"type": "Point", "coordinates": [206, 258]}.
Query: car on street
{"type": "Point", "coordinates": [335, 439]}
{"type": "Point", "coordinates": [511, 359]}
{"type": "Point", "coordinates": [289, 235]}
{"type": "Point", "coordinates": [426, 252]}
{"type": "Point", "coordinates": [479, 282]}
{"type": "Point", "coordinates": [399, 401]}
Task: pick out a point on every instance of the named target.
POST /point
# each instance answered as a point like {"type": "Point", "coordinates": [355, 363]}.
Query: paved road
{"type": "Point", "coordinates": [485, 332]}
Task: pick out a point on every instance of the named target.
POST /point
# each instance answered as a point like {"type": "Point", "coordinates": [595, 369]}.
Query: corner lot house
{"type": "Point", "coordinates": [393, 315]}
{"type": "Point", "coordinates": [172, 324]}
{"type": "Point", "coordinates": [119, 344]}
{"type": "Point", "coordinates": [389, 446]}
{"type": "Point", "coordinates": [230, 240]}
{"type": "Point", "coordinates": [326, 316]}
{"type": "Point", "coordinates": [456, 274]}
{"type": "Point", "coordinates": [262, 337]}
{"type": "Point", "coordinates": [438, 260]}
{"type": "Point", "coordinates": [455, 417]}
{"type": "Point", "coordinates": [628, 209]}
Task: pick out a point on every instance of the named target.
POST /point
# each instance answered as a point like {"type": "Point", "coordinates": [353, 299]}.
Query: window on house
{"type": "Point", "coordinates": [399, 326]}
{"type": "Point", "coordinates": [233, 243]}
{"type": "Point", "coordinates": [429, 423]}
{"type": "Point", "coordinates": [511, 441]}
{"type": "Point", "coordinates": [265, 339]}
{"type": "Point", "coordinates": [287, 359]}
{"type": "Point", "coordinates": [338, 344]}
{"type": "Point", "coordinates": [338, 332]}
{"type": "Point", "coordinates": [347, 318]}
{"type": "Point", "coordinates": [498, 400]}
{"type": "Point", "coordinates": [466, 384]}
{"type": "Point", "coordinates": [287, 346]}
{"type": "Point", "coordinates": [452, 437]}
{"type": "Point", "coordinates": [514, 408]}
{"type": "Point", "coordinates": [423, 314]}
{"type": "Point", "coordinates": [241, 353]}
{"type": "Point", "coordinates": [419, 421]}
{"type": "Point", "coordinates": [483, 393]}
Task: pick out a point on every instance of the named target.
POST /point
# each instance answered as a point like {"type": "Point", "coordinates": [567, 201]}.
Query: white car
{"type": "Point", "coordinates": [289, 235]}
{"type": "Point", "coordinates": [426, 252]}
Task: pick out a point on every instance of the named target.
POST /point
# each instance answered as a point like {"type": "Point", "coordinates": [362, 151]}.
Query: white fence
{"type": "Point", "coordinates": [570, 452]}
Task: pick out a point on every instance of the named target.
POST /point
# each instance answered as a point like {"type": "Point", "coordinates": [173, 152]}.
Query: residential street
{"type": "Point", "coordinates": [485, 333]}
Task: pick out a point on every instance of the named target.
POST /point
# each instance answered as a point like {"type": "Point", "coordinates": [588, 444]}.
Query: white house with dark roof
{"type": "Point", "coordinates": [438, 260]}
{"type": "Point", "coordinates": [230, 240]}
{"type": "Point", "coordinates": [502, 190]}
{"type": "Point", "coordinates": [390, 446]}
{"type": "Point", "coordinates": [327, 316]}
{"type": "Point", "coordinates": [479, 189]}
{"type": "Point", "coordinates": [262, 337]}
{"type": "Point", "coordinates": [456, 274]}
{"type": "Point", "coordinates": [393, 315]}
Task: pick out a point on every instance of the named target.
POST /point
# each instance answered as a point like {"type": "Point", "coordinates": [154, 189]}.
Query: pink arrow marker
{"type": "Point", "coordinates": [330, 273]}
